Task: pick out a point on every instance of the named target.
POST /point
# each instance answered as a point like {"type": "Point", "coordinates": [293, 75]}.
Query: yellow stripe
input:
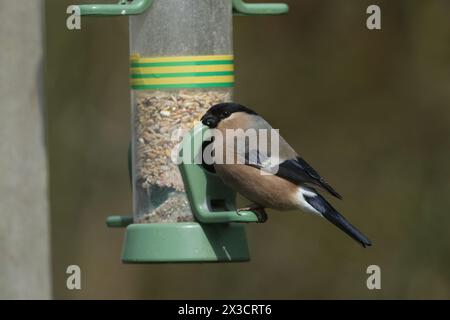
{"type": "Point", "coordinates": [137, 58]}
{"type": "Point", "coordinates": [224, 67]}
{"type": "Point", "coordinates": [182, 80]}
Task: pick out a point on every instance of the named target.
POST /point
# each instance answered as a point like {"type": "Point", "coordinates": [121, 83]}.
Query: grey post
{"type": "Point", "coordinates": [24, 216]}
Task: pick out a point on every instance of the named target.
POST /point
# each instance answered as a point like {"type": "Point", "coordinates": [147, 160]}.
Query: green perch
{"type": "Point", "coordinates": [211, 200]}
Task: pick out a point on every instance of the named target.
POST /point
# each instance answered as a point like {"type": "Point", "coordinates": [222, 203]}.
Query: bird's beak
{"type": "Point", "coordinates": [209, 120]}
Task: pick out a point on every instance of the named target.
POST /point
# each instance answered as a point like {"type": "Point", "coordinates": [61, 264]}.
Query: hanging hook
{"type": "Point", "coordinates": [123, 8]}
{"type": "Point", "coordinates": [241, 7]}
{"type": "Point", "coordinates": [134, 7]}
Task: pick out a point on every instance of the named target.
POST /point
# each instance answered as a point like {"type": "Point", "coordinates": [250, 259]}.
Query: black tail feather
{"type": "Point", "coordinates": [329, 213]}
{"type": "Point", "coordinates": [330, 189]}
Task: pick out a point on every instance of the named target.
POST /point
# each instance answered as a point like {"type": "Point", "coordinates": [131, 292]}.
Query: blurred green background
{"type": "Point", "coordinates": [369, 109]}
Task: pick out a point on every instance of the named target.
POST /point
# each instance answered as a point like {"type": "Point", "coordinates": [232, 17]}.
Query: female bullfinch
{"type": "Point", "coordinates": [284, 181]}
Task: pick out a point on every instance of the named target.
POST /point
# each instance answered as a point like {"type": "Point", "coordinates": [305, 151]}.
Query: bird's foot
{"type": "Point", "coordinates": [258, 211]}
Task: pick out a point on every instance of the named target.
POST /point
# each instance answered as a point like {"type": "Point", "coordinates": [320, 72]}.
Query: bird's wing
{"type": "Point", "coordinates": [298, 171]}
{"type": "Point", "coordinates": [285, 163]}
{"type": "Point", "coordinates": [288, 165]}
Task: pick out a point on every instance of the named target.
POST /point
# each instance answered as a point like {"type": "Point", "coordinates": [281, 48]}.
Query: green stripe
{"type": "Point", "coordinates": [181, 74]}
{"type": "Point", "coordinates": [188, 85]}
{"type": "Point", "coordinates": [179, 63]}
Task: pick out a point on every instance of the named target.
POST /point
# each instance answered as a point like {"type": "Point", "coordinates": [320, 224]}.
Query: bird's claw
{"type": "Point", "coordinates": [258, 211]}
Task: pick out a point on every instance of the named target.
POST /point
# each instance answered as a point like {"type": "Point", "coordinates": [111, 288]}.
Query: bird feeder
{"type": "Point", "coordinates": [181, 63]}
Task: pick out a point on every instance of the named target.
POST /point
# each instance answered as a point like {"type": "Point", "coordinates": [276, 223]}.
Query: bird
{"type": "Point", "coordinates": [294, 183]}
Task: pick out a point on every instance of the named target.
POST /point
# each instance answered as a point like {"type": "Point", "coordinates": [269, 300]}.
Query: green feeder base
{"type": "Point", "coordinates": [185, 242]}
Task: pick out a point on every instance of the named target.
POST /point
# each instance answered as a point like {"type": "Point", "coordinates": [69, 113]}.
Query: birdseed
{"type": "Point", "coordinates": [158, 184]}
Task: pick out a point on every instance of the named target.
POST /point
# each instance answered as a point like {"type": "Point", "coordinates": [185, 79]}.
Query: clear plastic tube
{"type": "Point", "coordinates": [159, 117]}
{"type": "Point", "coordinates": [160, 105]}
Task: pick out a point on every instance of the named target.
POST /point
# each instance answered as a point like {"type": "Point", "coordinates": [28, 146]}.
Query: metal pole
{"type": "Point", "coordinates": [24, 226]}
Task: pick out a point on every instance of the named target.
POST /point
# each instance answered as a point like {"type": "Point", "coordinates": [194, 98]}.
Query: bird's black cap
{"type": "Point", "coordinates": [221, 111]}
{"type": "Point", "coordinates": [230, 107]}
